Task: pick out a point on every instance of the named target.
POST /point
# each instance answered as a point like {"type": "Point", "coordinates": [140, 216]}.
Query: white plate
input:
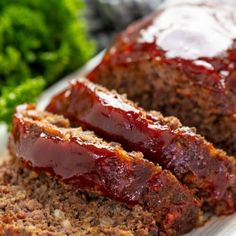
{"type": "Point", "coordinates": [223, 226]}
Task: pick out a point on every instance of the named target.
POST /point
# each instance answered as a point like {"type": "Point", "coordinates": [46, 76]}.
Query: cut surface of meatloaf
{"type": "Point", "coordinates": [181, 61]}
{"type": "Point", "coordinates": [33, 204]}
{"type": "Point", "coordinates": [45, 142]}
{"type": "Point", "coordinates": [209, 172]}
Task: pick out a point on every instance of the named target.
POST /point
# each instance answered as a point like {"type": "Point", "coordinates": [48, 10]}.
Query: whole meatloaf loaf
{"type": "Point", "coordinates": [209, 172]}
{"type": "Point", "coordinates": [180, 60]}
{"type": "Point", "coordinates": [46, 143]}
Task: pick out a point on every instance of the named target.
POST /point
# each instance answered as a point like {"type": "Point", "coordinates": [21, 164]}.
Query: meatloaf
{"type": "Point", "coordinates": [195, 162]}
{"type": "Point", "coordinates": [32, 203]}
{"type": "Point", "coordinates": [180, 60]}
{"type": "Point", "coordinates": [45, 142]}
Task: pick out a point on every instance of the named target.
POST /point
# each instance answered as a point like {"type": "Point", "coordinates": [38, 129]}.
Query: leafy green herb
{"type": "Point", "coordinates": [40, 41]}
{"type": "Point", "coordinates": [25, 92]}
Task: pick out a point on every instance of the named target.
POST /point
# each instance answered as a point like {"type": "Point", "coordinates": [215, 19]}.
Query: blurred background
{"type": "Point", "coordinates": [107, 17]}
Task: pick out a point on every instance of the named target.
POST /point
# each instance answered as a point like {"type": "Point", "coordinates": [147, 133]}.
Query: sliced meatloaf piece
{"type": "Point", "coordinates": [33, 203]}
{"type": "Point", "coordinates": [45, 142]}
{"type": "Point", "coordinates": [193, 160]}
{"type": "Point", "coordinates": [181, 61]}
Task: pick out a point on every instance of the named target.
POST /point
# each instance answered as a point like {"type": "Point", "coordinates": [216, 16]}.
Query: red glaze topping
{"type": "Point", "coordinates": [102, 168]}
{"type": "Point", "coordinates": [194, 161]}
{"type": "Point", "coordinates": [197, 39]}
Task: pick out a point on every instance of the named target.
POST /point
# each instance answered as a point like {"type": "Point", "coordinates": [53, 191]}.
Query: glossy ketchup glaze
{"type": "Point", "coordinates": [196, 39]}
{"type": "Point", "coordinates": [194, 161]}
{"type": "Point", "coordinates": [108, 114]}
{"type": "Point", "coordinates": [107, 170]}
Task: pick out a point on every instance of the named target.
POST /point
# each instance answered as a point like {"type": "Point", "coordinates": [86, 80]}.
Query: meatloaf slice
{"type": "Point", "coordinates": [181, 61]}
{"type": "Point", "coordinates": [45, 142]}
{"type": "Point", "coordinates": [33, 204]}
{"type": "Point", "coordinates": [194, 161]}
